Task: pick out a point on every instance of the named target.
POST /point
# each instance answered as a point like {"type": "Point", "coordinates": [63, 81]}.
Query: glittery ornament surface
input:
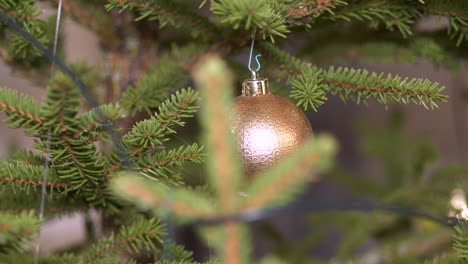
{"type": "Point", "coordinates": [267, 127]}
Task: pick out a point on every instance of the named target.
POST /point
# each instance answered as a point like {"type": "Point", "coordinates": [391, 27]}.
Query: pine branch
{"type": "Point", "coordinates": [149, 91]}
{"type": "Point", "coordinates": [19, 257]}
{"type": "Point", "coordinates": [28, 157]}
{"type": "Point", "coordinates": [309, 89]}
{"type": "Point", "coordinates": [153, 195]}
{"type": "Point", "coordinates": [166, 12]}
{"type": "Point", "coordinates": [63, 99]}
{"type": "Point", "coordinates": [14, 202]}
{"type": "Point", "coordinates": [250, 14]}
{"type": "Point", "coordinates": [181, 105]}
{"type": "Point", "coordinates": [178, 255]}
{"type": "Point", "coordinates": [91, 122]}
{"type": "Point", "coordinates": [112, 163]}
{"type": "Point", "coordinates": [214, 81]}
{"type": "Point", "coordinates": [232, 247]}
{"type": "Point", "coordinates": [25, 177]}
{"type": "Point", "coordinates": [77, 162]}
{"type": "Point", "coordinates": [383, 88]}
{"type": "Point", "coordinates": [142, 234]}
{"type": "Point", "coordinates": [151, 133]}
{"type": "Point", "coordinates": [456, 12]}
{"type": "Point", "coordinates": [25, 13]}
{"type": "Point", "coordinates": [22, 111]}
{"type": "Point", "coordinates": [302, 12]}
{"type": "Point", "coordinates": [359, 85]}
{"type": "Point", "coordinates": [460, 243]}
{"type": "Point", "coordinates": [159, 165]}
{"type": "Point", "coordinates": [393, 15]}
{"type": "Point", "coordinates": [74, 159]}
{"type": "Point", "coordinates": [279, 184]}
{"type": "Point", "coordinates": [76, 166]}
{"type": "Point", "coordinates": [16, 231]}
{"type": "Point", "coordinates": [231, 240]}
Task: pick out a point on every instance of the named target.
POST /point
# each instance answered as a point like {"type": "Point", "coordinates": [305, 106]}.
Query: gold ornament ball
{"type": "Point", "coordinates": [267, 126]}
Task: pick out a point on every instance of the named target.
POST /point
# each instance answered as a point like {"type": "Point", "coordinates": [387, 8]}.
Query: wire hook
{"type": "Point", "coordinates": [256, 56]}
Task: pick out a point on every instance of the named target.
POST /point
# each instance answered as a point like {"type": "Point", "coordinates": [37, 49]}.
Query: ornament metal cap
{"type": "Point", "coordinates": [255, 86]}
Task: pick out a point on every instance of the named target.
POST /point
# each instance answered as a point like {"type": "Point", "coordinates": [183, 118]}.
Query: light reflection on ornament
{"type": "Point", "coordinates": [261, 140]}
{"type": "Point", "coordinates": [458, 203]}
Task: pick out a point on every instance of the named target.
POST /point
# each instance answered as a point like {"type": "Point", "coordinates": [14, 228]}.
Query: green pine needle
{"type": "Point", "coordinates": [250, 14]}
{"type": "Point", "coordinates": [151, 89]}
{"type": "Point", "coordinates": [308, 89]}
{"type": "Point", "coordinates": [151, 133]}
{"type": "Point", "coordinates": [91, 122]}
{"type": "Point", "coordinates": [21, 110]}
{"type": "Point", "coordinates": [354, 84]}
{"type": "Point", "coordinates": [460, 243]}
{"type": "Point", "coordinates": [144, 234]}
{"type": "Point", "coordinates": [17, 231]}
{"type": "Point", "coordinates": [160, 163]}
{"type": "Point", "coordinates": [25, 176]}
{"type": "Point", "coordinates": [25, 13]}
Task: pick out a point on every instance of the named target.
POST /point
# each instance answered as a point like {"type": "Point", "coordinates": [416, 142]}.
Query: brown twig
{"type": "Point", "coordinates": [21, 112]}
{"type": "Point", "coordinates": [97, 122]}
{"type": "Point", "coordinates": [232, 246]}
{"type": "Point", "coordinates": [316, 6]}
{"type": "Point", "coordinates": [37, 183]}
{"type": "Point", "coordinates": [96, 138]}
{"type": "Point", "coordinates": [378, 89]}
{"type": "Point", "coordinates": [112, 168]}
{"type": "Point", "coordinates": [174, 114]}
{"type": "Point", "coordinates": [440, 12]}
{"type": "Point", "coordinates": [211, 75]}
{"type": "Point", "coordinates": [165, 162]}
{"type": "Point", "coordinates": [16, 14]}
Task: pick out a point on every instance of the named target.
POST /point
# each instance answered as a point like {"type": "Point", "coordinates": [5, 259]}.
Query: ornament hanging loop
{"type": "Point", "coordinates": [257, 68]}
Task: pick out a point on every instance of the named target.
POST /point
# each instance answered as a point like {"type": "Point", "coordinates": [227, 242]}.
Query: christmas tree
{"type": "Point", "coordinates": [109, 139]}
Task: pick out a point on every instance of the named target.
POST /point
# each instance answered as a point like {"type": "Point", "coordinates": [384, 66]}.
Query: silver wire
{"type": "Point", "coordinates": [56, 35]}
{"type": "Point", "coordinates": [46, 163]}
{"type": "Point", "coordinates": [251, 54]}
